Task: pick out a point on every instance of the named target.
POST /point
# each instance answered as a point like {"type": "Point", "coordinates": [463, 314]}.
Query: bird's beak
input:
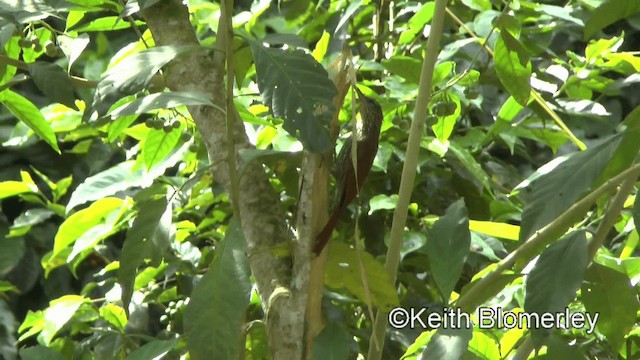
{"type": "Point", "coordinates": [360, 94]}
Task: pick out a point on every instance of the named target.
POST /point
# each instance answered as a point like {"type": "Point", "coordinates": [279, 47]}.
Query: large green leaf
{"type": "Point", "coordinates": [609, 12]}
{"type": "Point", "coordinates": [132, 75]}
{"type": "Point", "coordinates": [484, 346]}
{"type": "Point", "coordinates": [447, 247]}
{"type": "Point", "coordinates": [609, 293]}
{"type": "Point", "coordinates": [159, 144]}
{"type": "Point", "coordinates": [334, 342]}
{"type": "Point", "coordinates": [215, 315]}
{"type": "Point", "coordinates": [296, 88]}
{"type": "Point", "coordinates": [39, 352]}
{"type": "Point", "coordinates": [625, 155]}
{"type": "Point", "coordinates": [25, 111]}
{"type": "Point", "coordinates": [156, 349]}
{"type": "Point", "coordinates": [121, 177]}
{"type": "Point", "coordinates": [149, 233]}
{"type": "Point", "coordinates": [54, 82]}
{"type": "Point", "coordinates": [12, 251]}
{"type": "Point", "coordinates": [76, 225]}
{"type": "Point", "coordinates": [12, 188]}
{"type": "Point", "coordinates": [554, 280]}
{"type": "Point", "coordinates": [416, 23]}
{"type": "Point", "coordinates": [448, 343]}
{"type": "Point", "coordinates": [557, 185]}
{"type": "Point", "coordinates": [513, 67]}
{"type": "Point", "coordinates": [407, 67]}
{"type": "Point", "coordinates": [343, 272]}
{"type": "Point", "coordinates": [59, 312]}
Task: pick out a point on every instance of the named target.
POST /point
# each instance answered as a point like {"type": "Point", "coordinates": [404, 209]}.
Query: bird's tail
{"type": "Point", "coordinates": [323, 236]}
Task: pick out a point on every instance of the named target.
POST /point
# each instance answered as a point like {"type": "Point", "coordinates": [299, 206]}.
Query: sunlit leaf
{"type": "Point", "coordinates": [25, 111]}
{"type": "Point", "coordinates": [513, 67]}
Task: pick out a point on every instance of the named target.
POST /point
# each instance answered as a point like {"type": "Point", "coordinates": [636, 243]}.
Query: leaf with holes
{"type": "Point", "coordinates": [297, 89]}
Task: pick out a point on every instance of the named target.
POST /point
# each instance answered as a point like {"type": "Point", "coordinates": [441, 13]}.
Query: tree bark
{"type": "Point", "coordinates": [263, 221]}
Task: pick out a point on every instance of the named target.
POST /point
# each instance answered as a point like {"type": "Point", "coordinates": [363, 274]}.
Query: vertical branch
{"type": "Point", "coordinates": [263, 221]}
{"type": "Point", "coordinates": [226, 42]}
{"type": "Point", "coordinates": [313, 211]}
{"type": "Point", "coordinates": [378, 30]}
{"type": "Point", "coordinates": [409, 169]}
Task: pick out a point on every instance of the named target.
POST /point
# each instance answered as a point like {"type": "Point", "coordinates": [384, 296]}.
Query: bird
{"type": "Point", "coordinates": [347, 184]}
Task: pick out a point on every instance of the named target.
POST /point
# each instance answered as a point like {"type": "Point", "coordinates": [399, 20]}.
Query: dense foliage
{"type": "Point", "coordinates": [117, 240]}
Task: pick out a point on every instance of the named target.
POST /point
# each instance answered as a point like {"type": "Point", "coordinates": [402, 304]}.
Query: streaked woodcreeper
{"type": "Point", "coordinates": [367, 147]}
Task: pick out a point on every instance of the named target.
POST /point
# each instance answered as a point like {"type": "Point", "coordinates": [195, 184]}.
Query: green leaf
{"type": "Point", "coordinates": [484, 346]}
{"type": "Point", "coordinates": [114, 315]}
{"type": "Point", "coordinates": [470, 165]}
{"type": "Point", "coordinates": [448, 344]}
{"type": "Point", "coordinates": [132, 74]}
{"type": "Point", "coordinates": [444, 127]}
{"type": "Point", "coordinates": [73, 47]}
{"type": "Point", "coordinates": [159, 144]}
{"type": "Point", "coordinates": [417, 22]}
{"type": "Point", "coordinates": [557, 185]}
{"type": "Point", "coordinates": [150, 229]}
{"type": "Point", "coordinates": [478, 5]}
{"type": "Point", "coordinates": [121, 177]}
{"type": "Point", "coordinates": [13, 188]}
{"type": "Point", "coordinates": [12, 251]}
{"type": "Point", "coordinates": [166, 100]}
{"type": "Point", "coordinates": [297, 89]}
{"type": "Point", "coordinates": [495, 229]}
{"type": "Point", "coordinates": [626, 153]}
{"type": "Point", "coordinates": [607, 13]}
{"type": "Point", "coordinates": [221, 297]}
{"type": "Point", "coordinates": [343, 272]}
{"type": "Point", "coordinates": [382, 202]}
{"type": "Point", "coordinates": [334, 342]}
{"type": "Point", "coordinates": [54, 83]}
{"type": "Point", "coordinates": [156, 349]}
{"type": "Point", "coordinates": [84, 220]}
{"type": "Point", "coordinates": [12, 50]}
{"type": "Point", "coordinates": [39, 352]}
{"type": "Point", "coordinates": [25, 111]}
{"type": "Point", "coordinates": [351, 9]}
{"type": "Point", "coordinates": [107, 23]}
{"type": "Point", "coordinates": [513, 67]}
{"type": "Point", "coordinates": [610, 294]}
{"type": "Point", "coordinates": [556, 277]}
{"type": "Point", "coordinates": [507, 113]}
{"type": "Point", "coordinates": [558, 349]}
{"type": "Point", "coordinates": [119, 125]}
{"type": "Point", "coordinates": [406, 67]}
{"type": "Point", "coordinates": [6, 286]}
{"type": "Point", "coordinates": [447, 247]}
{"type": "Point", "coordinates": [59, 312]}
